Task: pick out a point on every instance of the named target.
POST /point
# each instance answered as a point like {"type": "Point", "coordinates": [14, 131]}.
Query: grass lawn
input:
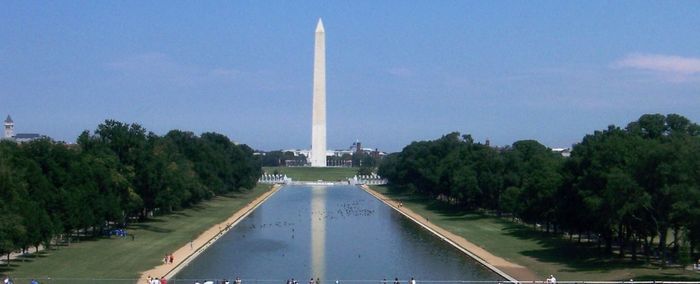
{"type": "Point", "coordinates": [536, 250]}
{"type": "Point", "coordinates": [122, 258]}
{"type": "Point", "coordinates": [314, 174]}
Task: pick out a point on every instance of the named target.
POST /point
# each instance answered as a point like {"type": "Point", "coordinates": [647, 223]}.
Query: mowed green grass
{"type": "Point", "coordinates": [540, 252]}
{"type": "Point", "coordinates": [122, 258]}
{"type": "Point", "coordinates": [314, 174]}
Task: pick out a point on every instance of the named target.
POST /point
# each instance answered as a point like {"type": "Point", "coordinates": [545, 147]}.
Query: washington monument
{"type": "Point", "coordinates": [318, 121]}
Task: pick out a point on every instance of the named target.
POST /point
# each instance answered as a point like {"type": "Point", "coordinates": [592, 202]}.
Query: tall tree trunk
{"type": "Point", "coordinates": [662, 245]}
{"type": "Point", "coordinates": [647, 249]}
{"type": "Point", "coordinates": [691, 245]}
{"type": "Point", "coordinates": [676, 243]}
{"type": "Point", "coordinates": [579, 236]}
{"type": "Point", "coordinates": [621, 241]}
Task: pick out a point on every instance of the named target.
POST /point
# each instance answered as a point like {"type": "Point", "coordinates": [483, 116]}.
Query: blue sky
{"type": "Point", "coordinates": [397, 71]}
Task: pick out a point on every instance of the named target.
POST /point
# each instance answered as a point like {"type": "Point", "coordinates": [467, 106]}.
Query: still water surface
{"type": "Point", "coordinates": [331, 232]}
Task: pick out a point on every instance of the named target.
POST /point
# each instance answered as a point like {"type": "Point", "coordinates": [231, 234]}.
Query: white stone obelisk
{"type": "Point", "coordinates": [318, 123]}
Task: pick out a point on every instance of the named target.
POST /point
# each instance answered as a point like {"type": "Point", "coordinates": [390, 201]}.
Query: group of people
{"type": "Point", "coordinates": [8, 280]}
{"type": "Point", "coordinates": [311, 281]}
{"type": "Point", "coordinates": [156, 280]}
{"type": "Point", "coordinates": [224, 281]}
{"type": "Point", "coordinates": [168, 258]}
{"type": "Point", "coordinates": [396, 281]}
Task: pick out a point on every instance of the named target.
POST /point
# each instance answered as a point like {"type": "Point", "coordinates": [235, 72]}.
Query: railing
{"type": "Point", "coordinates": [274, 179]}
{"type": "Point", "coordinates": [220, 280]}
{"type": "Point", "coordinates": [372, 179]}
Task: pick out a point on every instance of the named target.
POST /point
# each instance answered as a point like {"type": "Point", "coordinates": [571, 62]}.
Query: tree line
{"type": "Point", "coordinates": [110, 177]}
{"type": "Point", "coordinates": [634, 190]}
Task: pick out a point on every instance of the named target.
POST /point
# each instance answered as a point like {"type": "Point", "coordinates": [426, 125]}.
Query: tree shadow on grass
{"type": "Point", "coordinates": [451, 212]}
{"type": "Point", "coordinates": [4, 268]}
{"type": "Point", "coordinates": [467, 217]}
{"type": "Point", "coordinates": [150, 228]}
{"type": "Point", "coordinates": [28, 258]}
{"type": "Point", "coordinates": [179, 214]}
{"type": "Point", "coordinates": [576, 257]}
{"type": "Point", "coordinates": [198, 207]}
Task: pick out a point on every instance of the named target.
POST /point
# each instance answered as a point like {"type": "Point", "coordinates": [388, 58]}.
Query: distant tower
{"type": "Point", "coordinates": [9, 128]}
{"type": "Point", "coordinates": [318, 120]}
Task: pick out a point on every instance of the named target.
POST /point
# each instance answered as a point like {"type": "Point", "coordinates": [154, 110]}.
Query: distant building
{"type": "Point", "coordinates": [564, 152]}
{"type": "Point", "coordinates": [334, 158]}
{"type": "Point", "coordinates": [9, 128]}
{"type": "Point", "coordinates": [26, 137]}
{"type": "Point", "coordinates": [19, 137]}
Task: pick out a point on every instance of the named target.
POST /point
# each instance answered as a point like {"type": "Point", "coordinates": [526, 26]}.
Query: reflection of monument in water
{"type": "Point", "coordinates": [318, 120]}
{"type": "Point", "coordinates": [318, 232]}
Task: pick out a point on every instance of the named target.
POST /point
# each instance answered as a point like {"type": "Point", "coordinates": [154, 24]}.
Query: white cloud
{"type": "Point", "coordinates": [672, 67]}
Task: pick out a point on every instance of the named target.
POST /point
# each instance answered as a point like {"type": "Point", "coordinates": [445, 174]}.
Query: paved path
{"type": "Point", "coordinates": [17, 254]}
{"type": "Point", "coordinates": [188, 252]}
{"type": "Point", "coordinates": [511, 269]}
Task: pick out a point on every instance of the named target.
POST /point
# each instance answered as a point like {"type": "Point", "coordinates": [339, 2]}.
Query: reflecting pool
{"type": "Point", "coordinates": [331, 232]}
